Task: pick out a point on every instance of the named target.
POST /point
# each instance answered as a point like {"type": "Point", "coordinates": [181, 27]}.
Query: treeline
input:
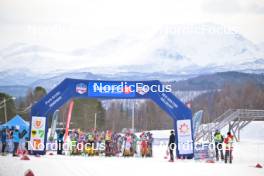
{"type": "Point", "coordinates": [116, 116]}
{"type": "Point", "coordinates": [7, 107]}
{"type": "Point", "coordinates": [147, 116]}
{"type": "Point", "coordinates": [246, 96]}
{"type": "Point", "coordinates": [83, 114]}
{"type": "Point", "coordinates": [20, 106]}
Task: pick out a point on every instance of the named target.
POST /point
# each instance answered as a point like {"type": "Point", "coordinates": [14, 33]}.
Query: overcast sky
{"type": "Point", "coordinates": [69, 24]}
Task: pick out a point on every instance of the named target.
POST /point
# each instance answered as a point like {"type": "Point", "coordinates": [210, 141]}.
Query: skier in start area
{"type": "Point", "coordinates": [228, 147]}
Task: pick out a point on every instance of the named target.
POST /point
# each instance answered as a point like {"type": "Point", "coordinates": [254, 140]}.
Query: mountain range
{"type": "Point", "coordinates": [218, 80]}
{"type": "Point", "coordinates": [170, 53]}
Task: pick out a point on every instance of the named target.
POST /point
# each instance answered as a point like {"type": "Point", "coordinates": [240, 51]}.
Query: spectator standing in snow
{"type": "Point", "coordinates": [16, 139]}
{"type": "Point", "coordinates": [3, 140]}
{"type": "Point", "coordinates": [172, 146]}
{"type": "Point", "coordinates": [60, 135]}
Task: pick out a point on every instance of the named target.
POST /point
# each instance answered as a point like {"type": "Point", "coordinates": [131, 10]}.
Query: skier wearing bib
{"type": "Point", "coordinates": [218, 138]}
{"type": "Point", "coordinates": [150, 141]}
{"type": "Point", "coordinates": [108, 141]}
{"type": "Point", "coordinates": [90, 144]}
{"type": "Point", "coordinates": [74, 139]}
{"type": "Point", "coordinates": [128, 145]}
{"type": "Point", "coordinates": [144, 144]}
{"type": "Point", "coordinates": [16, 139]}
{"type": "Point", "coordinates": [102, 145]}
{"type": "Point", "coordinates": [228, 147]}
{"type": "Point", "coordinates": [135, 140]}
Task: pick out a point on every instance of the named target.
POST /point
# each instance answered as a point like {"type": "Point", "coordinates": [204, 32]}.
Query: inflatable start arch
{"type": "Point", "coordinates": [74, 88]}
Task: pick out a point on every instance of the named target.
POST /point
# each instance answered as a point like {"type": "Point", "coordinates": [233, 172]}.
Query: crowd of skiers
{"type": "Point", "coordinates": [107, 143]}
{"type": "Point", "coordinates": [11, 136]}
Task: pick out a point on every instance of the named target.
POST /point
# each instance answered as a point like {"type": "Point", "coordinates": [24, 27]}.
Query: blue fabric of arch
{"type": "Point", "coordinates": [75, 88]}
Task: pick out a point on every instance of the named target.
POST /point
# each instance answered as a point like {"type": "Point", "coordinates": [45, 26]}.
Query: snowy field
{"type": "Point", "coordinates": [247, 154]}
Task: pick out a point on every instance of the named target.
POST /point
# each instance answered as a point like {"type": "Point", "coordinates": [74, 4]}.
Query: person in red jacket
{"type": "Point", "coordinates": [144, 144]}
{"type": "Point", "coordinates": [228, 147]}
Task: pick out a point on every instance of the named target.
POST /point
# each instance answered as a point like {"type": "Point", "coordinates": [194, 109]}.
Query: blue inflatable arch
{"type": "Point", "coordinates": [74, 88]}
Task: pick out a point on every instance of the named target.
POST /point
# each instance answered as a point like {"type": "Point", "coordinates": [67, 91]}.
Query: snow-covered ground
{"type": "Point", "coordinates": [247, 154]}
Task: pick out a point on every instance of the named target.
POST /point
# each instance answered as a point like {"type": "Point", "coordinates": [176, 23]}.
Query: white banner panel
{"type": "Point", "coordinates": [37, 133]}
{"type": "Point", "coordinates": [184, 132]}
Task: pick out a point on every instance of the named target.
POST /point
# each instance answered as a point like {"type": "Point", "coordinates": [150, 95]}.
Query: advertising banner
{"type": "Point", "coordinates": [184, 132]}
{"type": "Point", "coordinates": [38, 125]}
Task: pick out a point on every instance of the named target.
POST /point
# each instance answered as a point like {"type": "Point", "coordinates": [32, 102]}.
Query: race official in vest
{"type": "Point", "coordinates": [218, 138]}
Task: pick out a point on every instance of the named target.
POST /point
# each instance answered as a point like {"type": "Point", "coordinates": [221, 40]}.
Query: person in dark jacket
{"type": "Point", "coordinates": [3, 140]}
{"type": "Point", "coordinates": [60, 136]}
{"type": "Point", "coordinates": [172, 146]}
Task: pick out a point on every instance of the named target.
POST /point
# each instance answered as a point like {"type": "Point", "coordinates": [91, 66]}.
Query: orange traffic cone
{"type": "Point", "coordinates": [25, 157]}
{"type": "Point", "coordinates": [29, 173]}
{"type": "Point", "coordinates": [259, 166]}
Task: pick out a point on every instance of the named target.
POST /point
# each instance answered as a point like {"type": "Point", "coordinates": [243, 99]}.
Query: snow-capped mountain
{"type": "Point", "coordinates": [171, 52]}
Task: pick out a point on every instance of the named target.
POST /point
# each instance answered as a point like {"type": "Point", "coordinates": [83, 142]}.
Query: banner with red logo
{"type": "Point", "coordinates": [38, 125]}
{"type": "Point", "coordinates": [184, 132]}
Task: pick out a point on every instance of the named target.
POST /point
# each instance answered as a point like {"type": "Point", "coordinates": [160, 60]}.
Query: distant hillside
{"type": "Point", "coordinates": [198, 83]}
{"type": "Point", "coordinates": [16, 90]}
{"type": "Point", "coordinates": [218, 80]}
